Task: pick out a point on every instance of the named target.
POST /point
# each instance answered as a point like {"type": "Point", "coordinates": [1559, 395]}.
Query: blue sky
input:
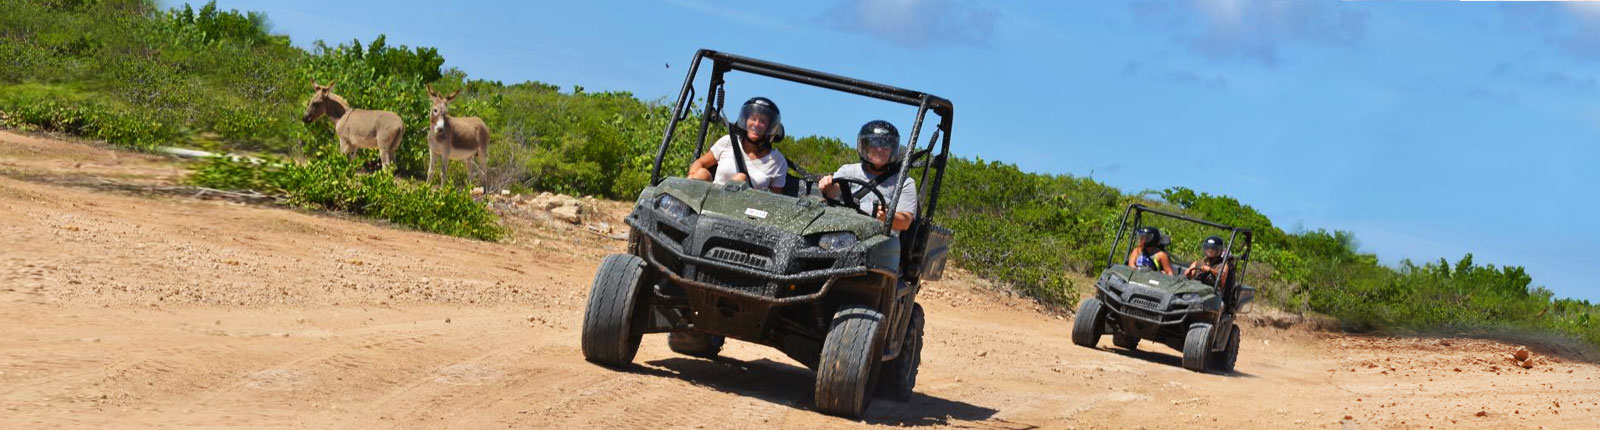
{"type": "Point", "coordinates": [1429, 129]}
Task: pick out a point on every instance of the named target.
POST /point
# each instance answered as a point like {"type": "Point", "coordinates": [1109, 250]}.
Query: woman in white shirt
{"type": "Point", "coordinates": [765, 167]}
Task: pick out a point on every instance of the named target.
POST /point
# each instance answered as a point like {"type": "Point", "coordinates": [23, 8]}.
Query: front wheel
{"type": "Point", "coordinates": [608, 334]}
{"type": "Point", "coordinates": [849, 357]}
{"type": "Point", "coordinates": [1223, 361]}
{"type": "Point", "coordinates": [900, 374]}
{"type": "Point", "coordinates": [1197, 348]}
{"type": "Point", "coordinates": [1086, 326]}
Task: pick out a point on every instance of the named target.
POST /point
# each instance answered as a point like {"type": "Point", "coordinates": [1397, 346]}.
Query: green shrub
{"type": "Point", "coordinates": [330, 182]}
{"type": "Point", "coordinates": [55, 108]}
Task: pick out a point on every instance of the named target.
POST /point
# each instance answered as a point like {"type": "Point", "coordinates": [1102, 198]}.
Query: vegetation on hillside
{"type": "Point", "coordinates": [133, 75]}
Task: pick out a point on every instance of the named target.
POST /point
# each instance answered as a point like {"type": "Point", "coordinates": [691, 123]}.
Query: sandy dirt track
{"type": "Point", "coordinates": [129, 304]}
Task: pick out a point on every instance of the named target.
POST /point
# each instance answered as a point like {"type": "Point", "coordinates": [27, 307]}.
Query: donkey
{"type": "Point", "coordinates": [356, 128]}
{"type": "Point", "coordinates": [455, 138]}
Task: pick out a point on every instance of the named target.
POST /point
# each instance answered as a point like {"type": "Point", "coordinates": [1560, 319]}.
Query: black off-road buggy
{"type": "Point", "coordinates": [1184, 314]}
{"type": "Point", "coordinates": [829, 285]}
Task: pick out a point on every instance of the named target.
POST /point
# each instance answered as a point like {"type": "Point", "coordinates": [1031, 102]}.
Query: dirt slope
{"type": "Point", "coordinates": [128, 305]}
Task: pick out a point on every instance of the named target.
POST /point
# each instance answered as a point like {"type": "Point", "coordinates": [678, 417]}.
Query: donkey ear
{"type": "Point", "coordinates": [454, 94]}
{"type": "Point", "coordinates": [314, 86]}
{"type": "Point", "coordinates": [431, 93]}
{"type": "Point", "coordinates": [329, 87]}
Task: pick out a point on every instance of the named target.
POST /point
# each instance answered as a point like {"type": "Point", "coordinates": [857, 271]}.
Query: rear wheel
{"type": "Point", "coordinates": [694, 343]}
{"type": "Point", "coordinates": [608, 334]}
{"type": "Point", "coordinates": [1197, 348]}
{"type": "Point", "coordinates": [1086, 326]}
{"type": "Point", "coordinates": [1224, 360]}
{"type": "Point", "coordinates": [1125, 341]}
{"type": "Point", "coordinates": [849, 357]}
{"type": "Point", "coordinates": [900, 375]}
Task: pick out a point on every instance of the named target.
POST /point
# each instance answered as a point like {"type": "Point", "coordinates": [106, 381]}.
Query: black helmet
{"type": "Point", "coordinates": [1154, 235]}
{"type": "Point", "coordinates": [1213, 242]}
{"type": "Point", "coordinates": [763, 107]}
{"type": "Point", "coordinates": [879, 134]}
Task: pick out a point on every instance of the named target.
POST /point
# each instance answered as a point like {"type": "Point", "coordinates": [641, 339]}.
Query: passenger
{"type": "Point", "coordinates": [764, 167]}
{"type": "Point", "coordinates": [1214, 269]}
{"type": "Point", "coordinates": [878, 145]}
{"type": "Point", "coordinates": [1149, 253]}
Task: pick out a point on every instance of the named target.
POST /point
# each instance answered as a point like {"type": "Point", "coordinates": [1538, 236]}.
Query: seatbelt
{"type": "Point", "coordinates": [738, 153]}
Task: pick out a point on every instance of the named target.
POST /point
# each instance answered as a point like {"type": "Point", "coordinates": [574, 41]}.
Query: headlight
{"type": "Point", "coordinates": [677, 209]}
{"type": "Point", "coordinates": [1186, 297]}
{"type": "Point", "coordinates": [837, 240]}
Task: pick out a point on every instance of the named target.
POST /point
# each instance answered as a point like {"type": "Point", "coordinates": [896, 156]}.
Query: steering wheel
{"type": "Point", "coordinates": [864, 185]}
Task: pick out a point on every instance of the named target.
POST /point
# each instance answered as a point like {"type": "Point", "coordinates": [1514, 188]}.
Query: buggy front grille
{"type": "Point", "coordinates": [740, 258]}
{"type": "Point", "coordinates": [1145, 303]}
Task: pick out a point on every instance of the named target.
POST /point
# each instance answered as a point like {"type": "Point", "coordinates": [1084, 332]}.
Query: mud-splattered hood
{"type": "Point", "coordinates": [1171, 285]}
{"type": "Point", "coordinates": [802, 216]}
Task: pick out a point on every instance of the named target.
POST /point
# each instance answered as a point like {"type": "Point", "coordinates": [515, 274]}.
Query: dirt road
{"type": "Point", "coordinates": [128, 304]}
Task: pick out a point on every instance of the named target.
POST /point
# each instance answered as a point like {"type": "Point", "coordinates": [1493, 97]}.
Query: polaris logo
{"type": "Point", "coordinates": [745, 234]}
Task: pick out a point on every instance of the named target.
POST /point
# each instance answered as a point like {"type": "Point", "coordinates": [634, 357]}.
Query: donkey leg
{"type": "Point", "coordinates": [394, 146]}
{"type": "Point", "coordinates": [428, 178]}
{"type": "Point", "coordinates": [433, 164]}
{"type": "Point", "coordinates": [386, 155]}
{"type": "Point", "coordinates": [348, 150]}
{"type": "Point", "coordinates": [444, 171]}
{"type": "Point", "coordinates": [482, 159]}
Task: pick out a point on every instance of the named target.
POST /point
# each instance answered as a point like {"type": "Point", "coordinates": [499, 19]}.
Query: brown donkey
{"type": "Point", "coordinates": [356, 128]}
{"type": "Point", "coordinates": [452, 138]}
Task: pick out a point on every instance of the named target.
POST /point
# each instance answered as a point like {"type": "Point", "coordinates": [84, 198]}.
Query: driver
{"type": "Point", "coordinates": [878, 145]}
{"type": "Point", "coordinates": [765, 165]}
{"type": "Point", "coordinates": [1149, 253]}
{"type": "Point", "coordinates": [1214, 269]}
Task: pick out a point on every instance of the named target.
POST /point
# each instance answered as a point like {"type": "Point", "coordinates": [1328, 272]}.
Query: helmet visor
{"type": "Point", "coordinates": [879, 147]}
{"type": "Point", "coordinates": [758, 120]}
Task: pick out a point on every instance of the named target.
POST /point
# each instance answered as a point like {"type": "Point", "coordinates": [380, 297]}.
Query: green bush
{"type": "Point", "coordinates": [331, 182]}
{"type": "Point", "coordinates": [54, 108]}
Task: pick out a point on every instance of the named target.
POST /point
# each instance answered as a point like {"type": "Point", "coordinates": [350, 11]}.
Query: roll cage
{"type": "Point", "coordinates": [1136, 212]}
{"type": "Point", "coordinates": [722, 63]}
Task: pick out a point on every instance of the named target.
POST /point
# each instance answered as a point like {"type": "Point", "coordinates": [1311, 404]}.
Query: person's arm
{"type": "Point", "coordinates": [700, 169]}
{"type": "Point", "coordinates": [1193, 270]}
{"type": "Point", "coordinates": [907, 209]}
{"type": "Point", "coordinates": [902, 220]}
{"type": "Point", "coordinates": [1133, 258]}
{"type": "Point", "coordinates": [1166, 263]}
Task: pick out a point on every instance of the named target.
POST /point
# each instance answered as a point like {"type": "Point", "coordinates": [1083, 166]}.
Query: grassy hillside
{"type": "Point", "coordinates": [128, 73]}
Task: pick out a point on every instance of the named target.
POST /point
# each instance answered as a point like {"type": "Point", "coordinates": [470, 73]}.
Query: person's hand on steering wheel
{"type": "Point", "coordinates": [831, 188]}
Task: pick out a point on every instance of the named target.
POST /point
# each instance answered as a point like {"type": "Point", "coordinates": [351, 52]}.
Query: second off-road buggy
{"type": "Point", "coordinates": [1185, 314]}
{"type": "Point", "coordinates": [831, 286]}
